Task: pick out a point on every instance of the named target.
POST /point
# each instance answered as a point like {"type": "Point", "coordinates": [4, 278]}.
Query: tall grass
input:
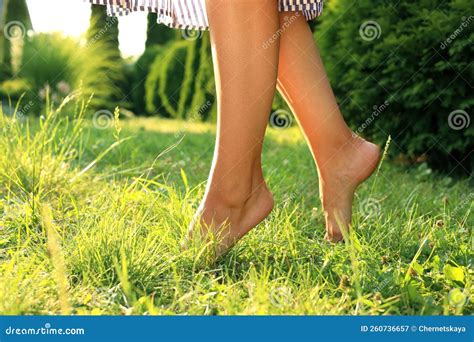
{"type": "Point", "coordinates": [91, 222]}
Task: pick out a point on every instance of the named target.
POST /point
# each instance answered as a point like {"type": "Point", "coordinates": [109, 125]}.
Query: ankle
{"type": "Point", "coordinates": [329, 144]}
{"type": "Point", "coordinates": [228, 196]}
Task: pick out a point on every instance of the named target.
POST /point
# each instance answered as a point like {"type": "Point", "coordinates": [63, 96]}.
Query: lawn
{"type": "Point", "coordinates": [93, 212]}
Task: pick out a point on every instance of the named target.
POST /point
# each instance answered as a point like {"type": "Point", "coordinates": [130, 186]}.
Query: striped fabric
{"type": "Point", "coordinates": [191, 14]}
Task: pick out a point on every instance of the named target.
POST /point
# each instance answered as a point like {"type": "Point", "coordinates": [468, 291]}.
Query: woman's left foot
{"type": "Point", "coordinates": [340, 176]}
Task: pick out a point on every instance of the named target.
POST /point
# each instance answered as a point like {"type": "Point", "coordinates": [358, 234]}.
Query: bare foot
{"type": "Point", "coordinates": [339, 178]}
{"type": "Point", "coordinates": [225, 222]}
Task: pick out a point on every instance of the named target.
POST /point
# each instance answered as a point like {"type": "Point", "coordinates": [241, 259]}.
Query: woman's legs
{"type": "Point", "coordinates": [343, 159]}
{"type": "Point", "coordinates": [236, 197]}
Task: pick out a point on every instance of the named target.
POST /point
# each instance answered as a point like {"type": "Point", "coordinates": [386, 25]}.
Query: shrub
{"type": "Point", "coordinates": [158, 34]}
{"type": "Point", "coordinates": [47, 66]}
{"type": "Point", "coordinates": [180, 83]}
{"type": "Point", "coordinates": [141, 69]}
{"type": "Point", "coordinates": [203, 103]}
{"type": "Point", "coordinates": [47, 59]}
{"type": "Point", "coordinates": [14, 88]}
{"type": "Point", "coordinates": [14, 25]}
{"type": "Point", "coordinates": [165, 79]}
{"type": "Point", "coordinates": [64, 65]}
{"type": "Point", "coordinates": [396, 72]}
{"type": "Point", "coordinates": [101, 74]}
{"type": "Point", "coordinates": [158, 37]}
{"type": "Point", "coordinates": [186, 92]}
{"type": "Point", "coordinates": [103, 37]}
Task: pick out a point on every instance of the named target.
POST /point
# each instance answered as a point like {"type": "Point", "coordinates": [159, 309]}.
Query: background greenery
{"type": "Point", "coordinates": [411, 66]}
{"type": "Point", "coordinates": [408, 65]}
{"type": "Point", "coordinates": [95, 201]}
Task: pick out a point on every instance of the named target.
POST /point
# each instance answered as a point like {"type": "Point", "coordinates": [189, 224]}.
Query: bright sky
{"type": "Point", "coordinates": [72, 18]}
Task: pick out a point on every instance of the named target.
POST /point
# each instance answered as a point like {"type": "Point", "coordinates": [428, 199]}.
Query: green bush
{"type": "Point", "coordinates": [99, 71]}
{"type": "Point", "coordinates": [141, 69]}
{"type": "Point", "coordinates": [203, 103]}
{"type": "Point", "coordinates": [180, 83]}
{"type": "Point", "coordinates": [57, 64]}
{"type": "Point", "coordinates": [103, 37]}
{"type": "Point", "coordinates": [158, 34]}
{"type": "Point", "coordinates": [15, 23]}
{"type": "Point", "coordinates": [186, 92]}
{"type": "Point", "coordinates": [158, 37]}
{"type": "Point", "coordinates": [14, 88]}
{"type": "Point", "coordinates": [401, 70]}
{"type": "Point", "coordinates": [165, 79]}
{"type": "Point", "coordinates": [48, 67]}
{"type": "Point", "coordinates": [47, 60]}
{"type": "Point", "coordinates": [11, 91]}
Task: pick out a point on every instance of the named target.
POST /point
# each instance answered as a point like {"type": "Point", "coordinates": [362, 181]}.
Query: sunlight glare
{"type": "Point", "coordinates": [71, 17]}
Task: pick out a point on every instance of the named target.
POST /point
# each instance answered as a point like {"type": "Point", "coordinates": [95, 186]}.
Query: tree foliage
{"type": "Point", "coordinates": [180, 81]}
{"type": "Point", "coordinates": [158, 33]}
{"type": "Point", "coordinates": [14, 23]}
{"type": "Point", "coordinates": [103, 37]}
{"type": "Point", "coordinates": [404, 69]}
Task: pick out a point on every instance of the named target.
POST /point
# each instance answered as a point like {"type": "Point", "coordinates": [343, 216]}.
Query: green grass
{"type": "Point", "coordinates": [91, 222]}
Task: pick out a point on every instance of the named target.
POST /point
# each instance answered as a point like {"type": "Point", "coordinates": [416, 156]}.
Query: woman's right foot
{"type": "Point", "coordinates": [340, 175]}
{"type": "Point", "coordinates": [224, 220]}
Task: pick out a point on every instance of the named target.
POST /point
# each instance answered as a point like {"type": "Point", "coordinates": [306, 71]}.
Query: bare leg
{"type": "Point", "coordinates": [343, 159]}
{"type": "Point", "coordinates": [236, 197]}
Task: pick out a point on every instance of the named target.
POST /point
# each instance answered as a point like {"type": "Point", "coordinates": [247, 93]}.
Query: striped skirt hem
{"type": "Point", "coordinates": [191, 14]}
